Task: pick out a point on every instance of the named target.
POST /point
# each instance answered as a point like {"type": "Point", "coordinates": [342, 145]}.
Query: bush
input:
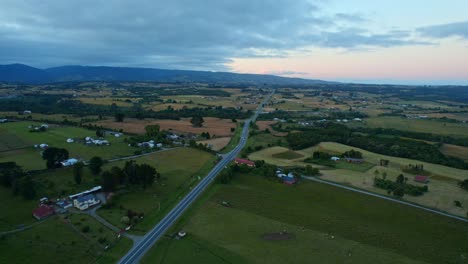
{"type": "Point", "coordinates": [85, 229]}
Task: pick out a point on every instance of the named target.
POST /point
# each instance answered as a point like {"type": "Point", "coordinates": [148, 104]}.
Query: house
{"type": "Point", "coordinates": [43, 146]}
{"type": "Point", "coordinates": [244, 162]}
{"type": "Point", "coordinates": [335, 158]}
{"type": "Point", "coordinates": [27, 112]}
{"type": "Point", "coordinates": [357, 119]}
{"type": "Point", "coordinates": [421, 179]}
{"type": "Point", "coordinates": [86, 201]}
{"type": "Point", "coordinates": [3, 120]}
{"type": "Point", "coordinates": [69, 162]}
{"type": "Point", "coordinates": [64, 204]}
{"type": "Point", "coordinates": [92, 190]}
{"type": "Point", "coordinates": [43, 211]}
{"type": "Point", "coordinates": [354, 160]}
{"type": "Point", "coordinates": [70, 140]}
{"type": "Point", "coordinates": [289, 179]}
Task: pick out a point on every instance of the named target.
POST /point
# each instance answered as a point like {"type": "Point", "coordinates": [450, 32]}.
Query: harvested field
{"type": "Point", "coordinates": [214, 126]}
{"type": "Point", "coordinates": [455, 151]}
{"type": "Point", "coordinates": [262, 125]}
{"type": "Point", "coordinates": [217, 143]}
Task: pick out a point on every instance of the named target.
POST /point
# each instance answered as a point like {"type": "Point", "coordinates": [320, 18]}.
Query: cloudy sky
{"type": "Point", "coordinates": [398, 41]}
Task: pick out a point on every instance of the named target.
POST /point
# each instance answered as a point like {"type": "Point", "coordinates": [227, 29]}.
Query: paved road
{"type": "Point", "coordinates": [386, 198]}
{"type": "Point", "coordinates": [140, 248]}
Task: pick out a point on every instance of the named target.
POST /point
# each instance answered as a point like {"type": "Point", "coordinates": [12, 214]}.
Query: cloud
{"type": "Point", "coordinates": [459, 29]}
{"type": "Point", "coordinates": [174, 34]}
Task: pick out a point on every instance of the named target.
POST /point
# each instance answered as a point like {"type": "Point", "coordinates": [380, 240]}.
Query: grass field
{"type": "Point", "coordinates": [19, 210]}
{"type": "Point", "coordinates": [289, 155]}
{"type": "Point", "coordinates": [54, 136]}
{"type": "Point", "coordinates": [179, 170]}
{"type": "Point", "coordinates": [418, 125]}
{"type": "Point", "coordinates": [327, 225]}
{"type": "Point", "coordinates": [215, 126]}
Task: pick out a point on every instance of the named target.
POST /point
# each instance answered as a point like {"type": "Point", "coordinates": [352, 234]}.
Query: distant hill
{"type": "Point", "coordinates": [20, 73]}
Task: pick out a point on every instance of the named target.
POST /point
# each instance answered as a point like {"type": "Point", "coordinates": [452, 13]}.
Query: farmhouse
{"type": "Point", "coordinates": [244, 162]}
{"type": "Point", "coordinates": [421, 179]}
{"type": "Point", "coordinates": [43, 211]}
{"type": "Point", "coordinates": [289, 179]}
{"type": "Point", "coordinates": [69, 162]}
{"type": "Point", "coordinates": [85, 202]}
{"type": "Point", "coordinates": [335, 158]}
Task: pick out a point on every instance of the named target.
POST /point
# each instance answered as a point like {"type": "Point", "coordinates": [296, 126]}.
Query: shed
{"type": "Point", "coordinates": [43, 211]}
{"type": "Point", "coordinates": [421, 179]}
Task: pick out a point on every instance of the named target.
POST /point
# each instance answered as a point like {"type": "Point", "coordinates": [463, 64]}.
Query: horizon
{"type": "Point", "coordinates": [358, 41]}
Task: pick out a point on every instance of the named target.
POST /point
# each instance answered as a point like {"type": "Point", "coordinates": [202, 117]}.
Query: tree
{"type": "Point", "coordinates": [99, 133]}
{"type": "Point", "coordinates": [78, 172]}
{"type": "Point", "coordinates": [95, 164]}
{"type": "Point", "coordinates": [152, 130]}
{"type": "Point", "coordinates": [464, 184]}
{"type": "Point", "coordinates": [234, 120]}
{"type": "Point", "coordinates": [310, 171]}
{"type": "Point", "coordinates": [109, 181]}
{"type": "Point", "coordinates": [27, 188]}
{"type": "Point", "coordinates": [457, 203]}
{"type": "Point", "coordinates": [54, 156]}
{"type": "Point", "coordinates": [400, 179]}
{"type": "Point", "coordinates": [119, 117]}
{"type": "Point", "coordinates": [197, 121]}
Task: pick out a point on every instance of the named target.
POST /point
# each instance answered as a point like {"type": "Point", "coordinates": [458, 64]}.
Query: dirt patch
{"type": "Point", "coordinates": [214, 126]}
{"type": "Point", "coordinates": [278, 236]}
{"type": "Point", "coordinates": [217, 143]}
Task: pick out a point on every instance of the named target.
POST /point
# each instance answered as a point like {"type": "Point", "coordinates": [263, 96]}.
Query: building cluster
{"type": "Point", "coordinates": [81, 201]}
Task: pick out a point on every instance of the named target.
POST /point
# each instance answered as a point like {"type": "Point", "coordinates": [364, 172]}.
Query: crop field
{"type": "Point", "coordinates": [54, 136]}
{"type": "Point", "coordinates": [317, 223]}
{"type": "Point", "coordinates": [214, 126]}
{"type": "Point", "coordinates": [108, 101]}
{"type": "Point", "coordinates": [455, 151]}
{"type": "Point", "coordinates": [418, 125]}
{"type": "Point", "coordinates": [216, 143]}
{"type": "Point", "coordinates": [279, 156]}
{"type": "Point", "coordinates": [179, 168]}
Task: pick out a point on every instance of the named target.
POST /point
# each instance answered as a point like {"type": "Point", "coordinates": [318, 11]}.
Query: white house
{"type": "Point", "coordinates": [70, 140]}
{"type": "Point", "coordinates": [69, 162]}
{"type": "Point", "coordinates": [335, 158]}
{"type": "Point", "coordinates": [43, 146]}
{"type": "Point", "coordinates": [85, 202]}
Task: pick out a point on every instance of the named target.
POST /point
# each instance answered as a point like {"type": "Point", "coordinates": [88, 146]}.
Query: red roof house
{"type": "Point", "coordinates": [245, 162]}
{"type": "Point", "coordinates": [421, 179]}
{"type": "Point", "coordinates": [43, 211]}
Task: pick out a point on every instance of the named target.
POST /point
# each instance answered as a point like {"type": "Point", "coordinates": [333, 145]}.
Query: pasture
{"type": "Point", "coordinates": [55, 136]}
{"type": "Point", "coordinates": [180, 170]}
{"type": "Point", "coordinates": [325, 224]}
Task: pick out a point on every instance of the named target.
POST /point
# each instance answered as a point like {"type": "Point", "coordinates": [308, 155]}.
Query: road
{"type": "Point", "coordinates": [140, 248]}
{"type": "Point", "coordinates": [386, 198]}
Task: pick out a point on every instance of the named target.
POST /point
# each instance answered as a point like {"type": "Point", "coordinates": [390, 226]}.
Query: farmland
{"type": "Point", "coordinates": [326, 225]}
{"type": "Point", "coordinates": [179, 168]}
{"type": "Point", "coordinates": [26, 155]}
{"type": "Point", "coordinates": [214, 126]}
{"type": "Point", "coordinates": [443, 189]}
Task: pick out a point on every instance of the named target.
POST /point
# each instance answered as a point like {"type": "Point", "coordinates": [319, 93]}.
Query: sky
{"type": "Point", "coordinates": [408, 42]}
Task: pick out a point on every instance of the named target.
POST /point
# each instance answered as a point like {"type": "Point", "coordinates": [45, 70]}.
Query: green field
{"type": "Point", "coordinates": [289, 154]}
{"type": "Point", "coordinates": [418, 125]}
{"type": "Point", "coordinates": [179, 170]}
{"type": "Point", "coordinates": [29, 157]}
{"type": "Point", "coordinates": [327, 224]}
{"type": "Point", "coordinates": [19, 210]}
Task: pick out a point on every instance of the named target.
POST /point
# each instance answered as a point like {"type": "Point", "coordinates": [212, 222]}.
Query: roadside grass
{"type": "Point", "coordinates": [17, 211]}
{"type": "Point", "coordinates": [329, 225]}
{"type": "Point", "coordinates": [418, 125]}
{"type": "Point", "coordinates": [56, 136]}
{"type": "Point", "coordinates": [49, 242]}
{"type": "Point", "coordinates": [179, 170]}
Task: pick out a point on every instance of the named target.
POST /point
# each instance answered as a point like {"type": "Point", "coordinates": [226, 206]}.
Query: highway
{"type": "Point", "coordinates": [142, 246]}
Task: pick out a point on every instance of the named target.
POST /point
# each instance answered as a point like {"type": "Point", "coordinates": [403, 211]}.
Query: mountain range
{"type": "Point", "coordinates": [20, 73]}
